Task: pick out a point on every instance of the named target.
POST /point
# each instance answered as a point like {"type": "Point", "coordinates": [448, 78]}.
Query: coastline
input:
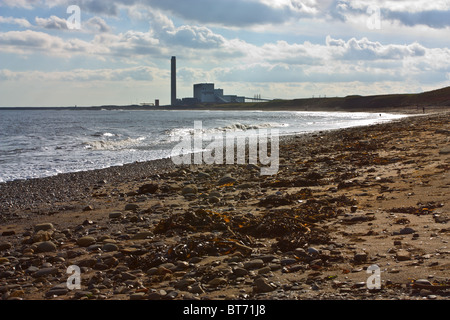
{"type": "Point", "coordinates": [348, 188]}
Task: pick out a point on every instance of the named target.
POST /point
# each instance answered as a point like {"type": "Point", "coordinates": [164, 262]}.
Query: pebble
{"type": "Point", "coordinates": [131, 207]}
{"type": "Point", "coordinates": [260, 285]}
{"type": "Point", "coordinates": [110, 247]}
{"type": "Point", "coordinates": [197, 288]}
{"type": "Point", "coordinates": [240, 272]}
{"type": "Point", "coordinates": [44, 227]}
{"type": "Point", "coordinates": [403, 255]}
{"type": "Point", "coordinates": [360, 257]}
{"type": "Point", "coordinates": [405, 231]}
{"type": "Point", "coordinates": [45, 272]}
{"type": "Point", "coordinates": [314, 251]}
{"type": "Point", "coordinates": [142, 235]}
{"type": "Point", "coordinates": [254, 264]}
{"type": "Point", "coordinates": [137, 296]}
{"type": "Point", "coordinates": [189, 189]}
{"type": "Point", "coordinates": [226, 179]}
{"type": "Point", "coordinates": [86, 241]}
{"type": "Point", "coordinates": [58, 290]}
{"type": "Point", "coordinates": [115, 215]}
{"type": "Point", "coordinates": [46, 246]}
{"type": "Point", "coordinates": [5, 246]}
{"type": "Point", "coordinates": [216, 282]}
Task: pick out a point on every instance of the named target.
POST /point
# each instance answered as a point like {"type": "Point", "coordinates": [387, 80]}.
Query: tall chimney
{"type": "Point", "coordinates": [174, 82]}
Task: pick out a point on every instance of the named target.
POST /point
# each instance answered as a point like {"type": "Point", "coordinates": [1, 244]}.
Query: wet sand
{"type": "Point", "coordinates": [341, 202]}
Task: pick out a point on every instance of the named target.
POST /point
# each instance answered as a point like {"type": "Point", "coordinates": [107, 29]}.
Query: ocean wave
{"type": "Point", "coordinates": [235, 127]}
{"type": "Point", "coordinates": [113, 145]}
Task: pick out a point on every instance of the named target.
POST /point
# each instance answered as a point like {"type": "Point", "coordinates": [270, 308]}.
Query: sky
{"type": "Point", "coordinates": [102, 52]}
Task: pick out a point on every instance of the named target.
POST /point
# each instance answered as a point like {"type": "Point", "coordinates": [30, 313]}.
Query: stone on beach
{"type": "Point", "coordinates": [45, 246]}
{"type": "Point", "coordinates": [189, 189]}
{"type": "Point", "coordinates": [86, 241]}
{"type": "Point", "coordinates": [226, 179]}
{"type": "Point", "coordinates": [43, 227]}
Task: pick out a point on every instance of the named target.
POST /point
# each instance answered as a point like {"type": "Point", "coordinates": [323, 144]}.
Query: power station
{"type": "Point", "coordinates": [204, 93]}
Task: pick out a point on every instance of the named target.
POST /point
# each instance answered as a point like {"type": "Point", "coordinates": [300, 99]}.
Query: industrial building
{"type": "Point", "coordinates": [203, 92]}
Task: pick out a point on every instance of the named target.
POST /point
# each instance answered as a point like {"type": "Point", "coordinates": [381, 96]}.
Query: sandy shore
{"type": "Point", "coordinates": [342, 201]}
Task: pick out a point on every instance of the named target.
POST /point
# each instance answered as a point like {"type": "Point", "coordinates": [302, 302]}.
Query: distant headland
{"type": "Point", "coordinates": [409, 103]}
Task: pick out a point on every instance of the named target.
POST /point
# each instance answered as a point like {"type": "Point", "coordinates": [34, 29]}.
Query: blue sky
{"type": "Point", "coordinates": [276, 48]}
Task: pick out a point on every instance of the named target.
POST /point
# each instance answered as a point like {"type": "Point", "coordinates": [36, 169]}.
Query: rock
{"type": "Point", "coordinates": [360, 257]}
{"type": "Point", "coordinates": [171, 295]}
{"type": "Point", "coordinates": [264, 270]}
{"type": "Point", "coordinates": [254, 264]}
{"type": "Point", "coordinates": [110, 247]}
{"type": "Point", "coordinates": [260, 285]}
{"type": "Point", "coordinates": [148, 188]}
{"type": "Point", "coordinates": [44, 227]}
{"type": "Point", "coordinates": [405, 231]}
{"type": "Point", "coordinates": [226, 180]}
{"type": "Point", "coordinates": [352, 219]}
{"type": "Point", "coordinates": [445, 150]}
{"type": "Point", "coordinates": [86, 241]}
{"type": "Point", "coordinates": [137, 296]}
{"type": "Point", "coordinates": [240, 272]}
{"type": "Point", "coordinates": [216, 282]}
{"type": "Point", "coordinates": [203, 175]}
{"type": "Point", "coordinates": [189, 189]}
{"type": "Point", "coordinates": [196, 288]}
{"type": "Point", "coordinates": [46, 246]}
{"type": "Point", "coordinates": [403, 255]}
{"type": "Point", "coordinates": [58, 290]}
{"type": "Point", "coordinates": [142, 235]}
{"type": "Point", "coordinates": [115, 215]}
{"type": "Point", "coordinates": [313, 251]}
{"type": "Point", "coordinates": [8, 233]}
{"type": "Point", "coordinates": [88, 208]}
{"type": "Point", "coordinates": [45, 272]}
{"type": "Point", "coordinates": [213, 200]}
{"type": "Point", "coordinates": [128, 276]}
{"type": "Point", "coordinates": [5, 246]}
{"type": "Point", "coordinates": [131, 207]}
{"type": "Point", "coordinates": [183, 284]}
{"type": "Point", "coordinates": [42, 236]}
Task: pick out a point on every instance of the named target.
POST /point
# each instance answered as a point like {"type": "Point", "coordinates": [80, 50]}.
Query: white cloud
{"type": "Point", "coordinates": [82, 75]}
{"type": "Point", "coordinates": [17, 21]}
{"type": "Point", "coordinates": [53, 22]}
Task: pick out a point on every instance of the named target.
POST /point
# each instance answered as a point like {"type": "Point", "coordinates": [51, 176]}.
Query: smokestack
{"type": "Point", "coordinates": [174, 82]}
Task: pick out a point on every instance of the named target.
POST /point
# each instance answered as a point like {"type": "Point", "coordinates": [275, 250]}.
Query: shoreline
{"type": "Point", "coordinates": [283, 137]}
{"type": "Point", "coordinates": [116, 174]}
{"type": "Point", "coordinates": [343, 200]}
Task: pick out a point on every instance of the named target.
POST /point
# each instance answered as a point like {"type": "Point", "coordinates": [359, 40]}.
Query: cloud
{"type": "Point", "coordinates": [81, 75]}
{"type": "Point", "coordinates": [224, 12]}
{"type": "Point", "coordinates": [434, 14]}
{"type": "Point", "coordinates": [54, 23]}
{"type": "Point", "coordinates": [437, 19]}
{"type": "Point", "coordinates": [364, 49]}
{"type": "Point", "coordinates": [17, 21]}
{"type": "Point", "coordinates": [130, 44]}
{"type": "Point", "coordinates": [96, 25]}
{"type": "Point", "coordinates": [26, 4]}
{"type": "Point", "coordinates": [197, 37]}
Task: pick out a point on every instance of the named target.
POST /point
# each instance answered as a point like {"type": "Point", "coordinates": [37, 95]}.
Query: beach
{"type": "Point", "coordinates": [343, 201]}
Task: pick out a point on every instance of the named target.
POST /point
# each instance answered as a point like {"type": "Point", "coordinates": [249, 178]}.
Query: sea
{"type": "Point", "coordinates": [42, 143]}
